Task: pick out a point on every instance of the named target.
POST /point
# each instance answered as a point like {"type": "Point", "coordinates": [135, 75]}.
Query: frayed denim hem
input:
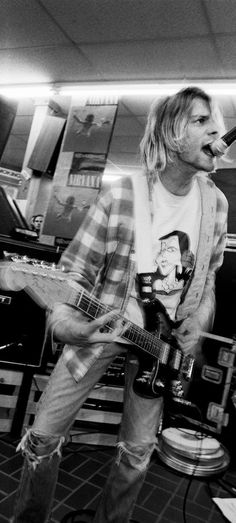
{"type": "Point", "coordinates": [139, 456]}
{"type": "Point", "coordinates": [29, 444]}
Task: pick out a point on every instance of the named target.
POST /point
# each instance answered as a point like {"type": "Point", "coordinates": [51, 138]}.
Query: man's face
{"type": "Point", "coordinates": [38, 222]}
{"type": "Point", "coordinates": [201, 130]}
{"type": "Point", "coordinates": [168, 256]}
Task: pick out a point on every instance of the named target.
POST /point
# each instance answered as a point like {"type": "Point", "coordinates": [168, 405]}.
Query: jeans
{"type": "Point", "coordinates": [57, 410]}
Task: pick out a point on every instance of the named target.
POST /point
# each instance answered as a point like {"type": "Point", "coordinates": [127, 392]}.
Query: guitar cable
{"type": "Point", "coordinates": [199, 435]}
{"type": "Point", "coordinates": [193, 472]}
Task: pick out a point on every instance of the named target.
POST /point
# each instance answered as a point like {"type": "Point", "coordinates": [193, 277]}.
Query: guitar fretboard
{"type": "Point", "coordinates": [133, 334]}
{"type": "Point", "coordinates": [50, 286]}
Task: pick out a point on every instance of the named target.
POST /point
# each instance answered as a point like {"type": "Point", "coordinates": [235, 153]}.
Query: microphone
{"type": "Point", "coordinates": [219, 147]}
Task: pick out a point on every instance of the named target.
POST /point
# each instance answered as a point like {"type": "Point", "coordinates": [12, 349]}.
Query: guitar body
{"type": "Point", "coordinates": [150, 380]}
{"type": "Point", "coordinates": [160, 360]}
{"type": "Point", "coordinates": [154, 375]}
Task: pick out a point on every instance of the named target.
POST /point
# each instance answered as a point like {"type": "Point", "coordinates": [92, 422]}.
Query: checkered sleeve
{"type": "Point", "coordinates": [85, 255]}
{"type": "Point", "coordinates": [94, 253]}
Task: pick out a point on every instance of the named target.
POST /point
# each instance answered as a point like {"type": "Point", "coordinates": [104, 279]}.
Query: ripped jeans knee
{"type": "Point", "coordinates": [138, 456]}
{"type": "Point", "coordinates": [36, 447]}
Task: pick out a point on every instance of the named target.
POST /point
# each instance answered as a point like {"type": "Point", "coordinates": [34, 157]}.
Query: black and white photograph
{"type": "Point", "coordinates": [118, 261]}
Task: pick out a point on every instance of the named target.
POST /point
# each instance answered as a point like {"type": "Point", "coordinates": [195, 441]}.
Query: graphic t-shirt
{"type": "Point", "coordinates": [175, 234]}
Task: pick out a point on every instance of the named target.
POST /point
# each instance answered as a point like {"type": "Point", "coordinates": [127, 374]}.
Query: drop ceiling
{"type": "Point", "coordinates": [71, 41]}
{"type": "Point", "coordinates": [110, 40]}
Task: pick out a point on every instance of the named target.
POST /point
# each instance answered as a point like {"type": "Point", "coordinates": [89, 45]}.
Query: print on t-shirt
{"type": "Point", "coordinates": [173, 263]}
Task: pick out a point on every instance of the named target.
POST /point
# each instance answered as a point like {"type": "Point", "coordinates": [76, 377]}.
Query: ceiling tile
{"type": "Point", "coordinates": [121, 40]}
{"type": "Point", "coordinates": [24, 23]}
{"type": "Point", "coordinates": [227, 49]}
{"type": "Point", "coordinates": [45, 65]}
{"type": "Point", "coordinates": [176, 59]}
{"type": "Point", "coordinates": [222, 15]}
{"type": "Point", "coordinates": [125, 20]}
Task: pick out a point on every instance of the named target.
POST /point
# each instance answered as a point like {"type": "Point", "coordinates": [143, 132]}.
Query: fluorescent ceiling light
{"type": "Point", "coordinates": [26, 91]}
{"type": "Point", "coordinates": [145, 89]}
{"type": "Point", "coordinates": [102, 89]}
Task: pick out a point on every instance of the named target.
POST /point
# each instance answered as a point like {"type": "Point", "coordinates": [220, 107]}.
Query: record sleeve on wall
{"type": "Point", "coordinates": [86, 170]}
{"type": "Point", "coordinates": [67, 209]}
{"type": "Point", "coordinates": [89, 128]}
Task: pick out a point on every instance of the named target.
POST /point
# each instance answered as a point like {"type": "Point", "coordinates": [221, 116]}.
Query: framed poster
{"type": "Point", "coordinates": [86, 170]}
{"type": "Point", "coordinates": [67, 209]}
{"type": "Point", "coordinates": [89, 128]}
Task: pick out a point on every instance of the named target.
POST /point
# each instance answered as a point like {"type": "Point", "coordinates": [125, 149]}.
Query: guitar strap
{"type": "Point", "coordinates": [143, 234]}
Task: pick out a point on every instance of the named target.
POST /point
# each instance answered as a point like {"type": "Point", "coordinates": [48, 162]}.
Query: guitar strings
{"type": "Point", "coordinates": [133, 333]}
{"type": "Point", "coordinates": [139, 336]}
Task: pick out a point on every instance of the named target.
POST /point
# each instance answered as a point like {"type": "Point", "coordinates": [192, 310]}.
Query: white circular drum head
{"type": "Point", "coordinates": [190, 440]}
{"type": "Point", "coordinates": [192, 452]}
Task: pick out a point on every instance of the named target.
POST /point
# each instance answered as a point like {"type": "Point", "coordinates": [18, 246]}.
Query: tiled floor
{"type": "Point", "coordinates": [167, 496]}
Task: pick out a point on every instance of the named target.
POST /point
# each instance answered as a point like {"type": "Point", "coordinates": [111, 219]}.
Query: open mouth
{"type": "Point", "coordinates": [207, 150]}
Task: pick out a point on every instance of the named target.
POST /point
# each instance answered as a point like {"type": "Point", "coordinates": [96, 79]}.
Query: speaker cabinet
{"type": "Point", "coordinates": [22, 330]}
{"type": "Point", "coordinates": [225, 319]}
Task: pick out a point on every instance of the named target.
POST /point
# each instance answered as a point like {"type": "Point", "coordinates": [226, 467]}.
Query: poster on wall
{"type": "Point", "coordinates": [89, 128]}
{"type": "Point", "coordinates": [87, 170]}
{"type": "Point", "coordinates": [67, 209]}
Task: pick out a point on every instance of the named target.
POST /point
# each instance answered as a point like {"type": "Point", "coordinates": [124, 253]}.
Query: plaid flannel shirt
{"type": "Point", "coordinates": [101, 258]}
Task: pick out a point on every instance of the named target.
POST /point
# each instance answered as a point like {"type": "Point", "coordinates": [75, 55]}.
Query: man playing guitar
{"type": "Point", "coordinates": [188, 216]}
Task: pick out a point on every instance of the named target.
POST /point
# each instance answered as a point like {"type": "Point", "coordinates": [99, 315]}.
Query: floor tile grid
{"type": "Point", "coordinates": [83, 472]}
{"type": "Point", "coordinates": [96, 464]}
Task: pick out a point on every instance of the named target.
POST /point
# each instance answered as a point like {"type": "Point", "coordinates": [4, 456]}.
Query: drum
{"type": "Point", "coordinates": [192, 452]}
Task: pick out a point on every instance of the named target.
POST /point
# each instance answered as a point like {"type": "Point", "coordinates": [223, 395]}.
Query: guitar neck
{"type": "Point", "coordinates": [132, 333]}
{"type": "Point", "coordinates": [47, 286]}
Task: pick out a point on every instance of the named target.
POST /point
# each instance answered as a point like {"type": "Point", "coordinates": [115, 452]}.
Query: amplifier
{"type": "Point", "coordinates": [212, 387]}
{"type": "Point", "coordinates": [22, 330]}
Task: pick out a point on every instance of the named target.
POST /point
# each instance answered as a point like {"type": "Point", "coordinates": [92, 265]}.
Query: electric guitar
{"type": "Point", "coordinates": [161, 361]}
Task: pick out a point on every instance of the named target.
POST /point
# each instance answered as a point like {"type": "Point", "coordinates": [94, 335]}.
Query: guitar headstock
{"type": "Point", "coordinates": [43, 281]}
